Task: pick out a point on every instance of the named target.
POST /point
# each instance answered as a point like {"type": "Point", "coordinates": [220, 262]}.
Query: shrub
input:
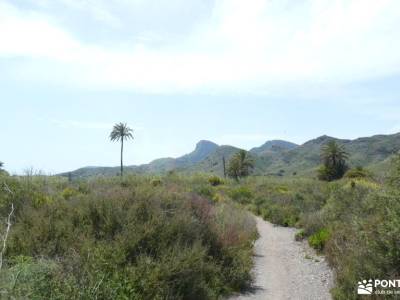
{"type": "Point", "coordinates": [300, 235]}
{"type": "Point", "coordinates": [368, 245]}
{"type": "Point", "coordinates": [205, 191]}
{"type": "Point", "coordinates": [68, 192]}
{"type": "Point", "coordinates": [242, 194]}
{"type": "Point", "coordinates": [318, 240]}
{"type": "Point", "coordinates": [156, 182]}
{"type": "Point", "coordinates": [215, 181]}
{"type": "Point", "coordinates": [358, 172]}
{"type": "Point", "coordinates": [394, 173]}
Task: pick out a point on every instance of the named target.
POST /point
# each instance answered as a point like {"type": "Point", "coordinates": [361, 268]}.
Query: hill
{"type": "Point", "coordinates": [272, 158]}
{"type": "Point", "coordinates": [203, 150]}
{"type": "Point", "coordinates": [273, 146]}
{"type": "Point", "coordinates": [366, 152]}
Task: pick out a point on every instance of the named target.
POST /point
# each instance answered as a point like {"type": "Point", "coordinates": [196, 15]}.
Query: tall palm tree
{"type": "Point", "coordinates": [121, 132]}
{"type": "Point", "coordinates": [240, 165]}
{"type": "Point", "coordinates": [333, 154]}
{"type": "Point", "coordinates": [334, 158]}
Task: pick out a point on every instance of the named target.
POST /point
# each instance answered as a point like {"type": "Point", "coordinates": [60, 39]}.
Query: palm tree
{"type": "Point", "coordinates": [240, 165]}
{"type": "Point", "coordinates": [334, 158]}
{"type": "Point", "coordinates": [121, 132]}
{"type": "Point", "coordinates": [332, 153]}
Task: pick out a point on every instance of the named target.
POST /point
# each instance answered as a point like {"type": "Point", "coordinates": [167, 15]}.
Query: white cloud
{"type": "Point", "coordinates": [242, 47]}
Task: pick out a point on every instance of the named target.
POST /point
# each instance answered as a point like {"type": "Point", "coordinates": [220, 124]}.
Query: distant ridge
{"type": "Point", "coordinates": [275, 157]}
{"type": "Point", "coordinates": [273, 146]}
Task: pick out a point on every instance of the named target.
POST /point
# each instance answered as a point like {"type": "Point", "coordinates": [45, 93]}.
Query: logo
{"type": "Point", "coordinates": [365, 287]}
{"type": "Point", "coordinates": [379, 287]}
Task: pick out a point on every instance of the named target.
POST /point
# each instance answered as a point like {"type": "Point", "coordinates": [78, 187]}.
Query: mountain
{"type": "Point", "coordinates": [203, 149]}
{"type": "Point", "coordinates": [92, 171]}
{"type": "Point", "coordinates": [273, 146]}
{"type": "Point", "coordinates": [213, 162]}
{"type": "Point", "coordinates": [304, 159]}
{"type": "Point", "coordinates": [272, 158]}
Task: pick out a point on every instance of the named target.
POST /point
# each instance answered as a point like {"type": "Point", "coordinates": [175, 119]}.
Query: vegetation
{"type": "Point", "coordinates": [142, 238]}
{"type": "Point", "coordinates": [373, 153]}
{"type": "Point", "coordinates": [394, 175]}
{"type": "Point", "coordinates": [318, 239]}
{"type": "Point", "coordinates": [2, 171]}
{"type": "Point", "coordinates": [334, 158]}
{"type": "Point", "coordinates": [240, 165]}
{"type": "Point", "coordinates": [215, 180]}
{"type": "Point", "coordinates": [121, 132]}
{"type": "Point", "coordinates": [358, 172]}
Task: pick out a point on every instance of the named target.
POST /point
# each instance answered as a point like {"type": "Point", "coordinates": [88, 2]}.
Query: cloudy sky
{"type": "Point", "coordinates": [233, 71]}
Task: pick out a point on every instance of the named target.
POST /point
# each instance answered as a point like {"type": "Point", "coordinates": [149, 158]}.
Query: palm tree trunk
{"type": "Point", "coordinates": [122, 153]}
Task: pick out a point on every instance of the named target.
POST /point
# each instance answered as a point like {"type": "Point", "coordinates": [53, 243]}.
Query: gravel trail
{"type": "Point", "coordinates": [286, 269]}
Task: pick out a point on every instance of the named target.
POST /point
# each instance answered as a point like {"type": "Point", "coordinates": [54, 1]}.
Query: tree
{"type": "Point", "coordinates": [121, 132]}
{"type": "Point", "coordinates": [240, 165]}
{"type": "Point", "coordinates": [1, 165]}
{"type": "Point", "coordinates": [333, 157]}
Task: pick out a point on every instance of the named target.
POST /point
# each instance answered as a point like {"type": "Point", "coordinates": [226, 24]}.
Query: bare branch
{"type": "Point", "coordinates": [6, 235]}
{"type": "Point", "coordinates": [8, 223]}
{"type": "Point", "coordinates": [7, 189]}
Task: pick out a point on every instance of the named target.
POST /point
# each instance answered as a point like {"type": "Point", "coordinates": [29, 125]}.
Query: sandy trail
{"type": "Point", "coordinates": [286, 269]}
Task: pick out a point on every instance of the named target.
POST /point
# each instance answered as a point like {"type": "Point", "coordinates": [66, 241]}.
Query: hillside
{"type": "Point", "coordinates": [272, 158]}
{"type": "Point", "coordinates": [366, 151]}
{"type": "Point", "coordinates": [202, 151]}
{"type": "Point", "coordinates": [273, 146]}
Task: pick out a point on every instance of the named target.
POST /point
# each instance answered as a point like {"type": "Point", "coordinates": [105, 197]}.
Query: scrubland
{"type": "Point", "coordinates": [142, 238]}
{"type": "Point", "coordinates": [187, 237]}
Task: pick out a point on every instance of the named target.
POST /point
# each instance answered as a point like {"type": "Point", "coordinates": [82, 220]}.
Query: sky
{"type": "Point", "coordinates": [232, 71]}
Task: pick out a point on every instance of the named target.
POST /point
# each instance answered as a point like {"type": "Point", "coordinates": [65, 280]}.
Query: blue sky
{"type": "Point", "coordinates": [233, 71]}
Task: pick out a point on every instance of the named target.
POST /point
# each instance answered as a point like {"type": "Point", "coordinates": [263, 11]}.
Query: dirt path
{"type": "Point", "coordinates": [286, 269]}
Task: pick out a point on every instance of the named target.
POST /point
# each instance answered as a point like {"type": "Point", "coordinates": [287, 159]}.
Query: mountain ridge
{"type": "Point", "coordinates": [274, 157]}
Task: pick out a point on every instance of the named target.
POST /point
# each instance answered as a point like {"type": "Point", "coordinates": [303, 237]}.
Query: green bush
{"type": "Point", "coordinates": [156, 182]}
{"type": "Point", "coordinates": [241, 194]}
{"type": "Point", "coordinates": [68, 192]}
{"type": "Point", "coordinates": [215, 181]}
{"type": "Point", "coordinates": [394, 172]}
{"type": "Point", "coordinates": [365, 241]}
{"type": "Point", "coordinates": [318, 240]}
{"type": "Point", "coordinates": [300, 235]}
{"type": "Point", "coordinates": [358, 172]}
